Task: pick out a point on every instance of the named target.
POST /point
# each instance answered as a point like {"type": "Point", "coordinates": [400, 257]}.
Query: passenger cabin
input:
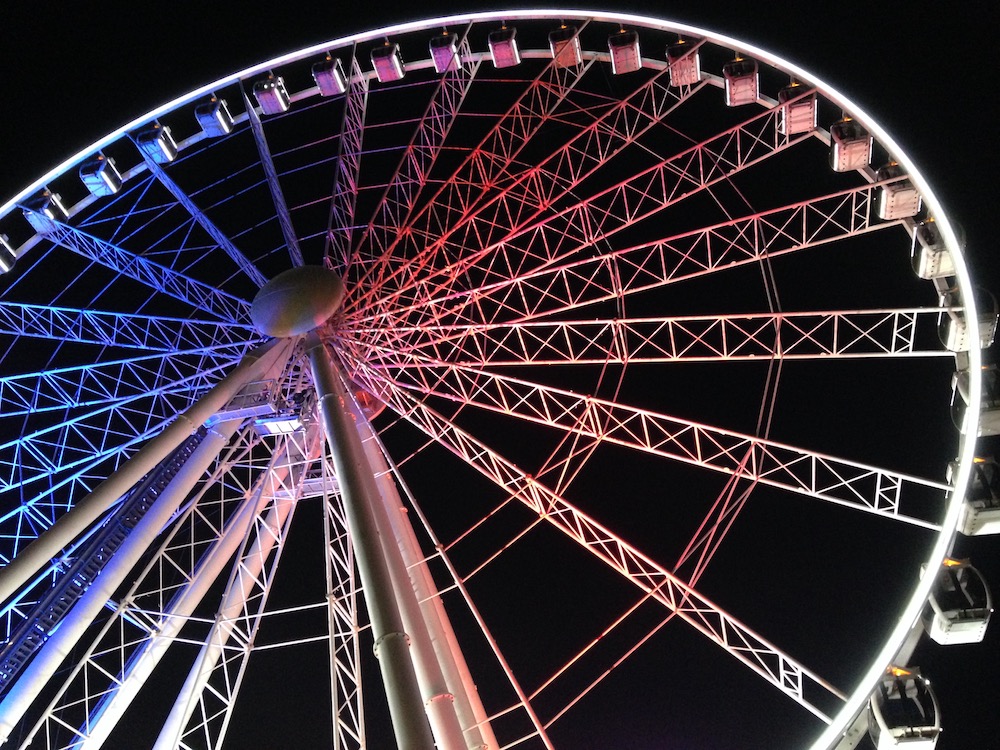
{"type": "Point", "coordinates": [960, 605]}
{"type": "Point", "coordinates": [851, 146]}
{"type": "Point", "coordinates": [214, 117]}
{"type": "Point", "coordinates": [981, 510]}
{"type": "Point", "coordinates": [989, 409]}
{"type": "Point", "coordinates": [741, 81]}
{"type": "Point", "coordinates": [564, 43]}
{"type": "Point", "coordinates": [271, 95]}
{"type": "Point", "coordinates": [685, 63]}
{"type": "Point", "coordinates": [903, 712]}
{"type": "Point", "coordinates": [930, 258]}
{"type": "Point", "coordinates": [897, 199]}
{"type": "Point", "coordinates": [798, 110]}
{"type": "Point", "coordinates": [444, 52]}
{"type": "Point", "coordinates": [624, 50]}
{"type": "Point", "coordinates": [958, 335]}
{"type": "Point", "coordinates": [7, 254]}
{"type": "Point", "coordinates": [503, 47]}
{"type": "Point", "coordinates": [387, 62]}
{"type": "Point", "coordinates": [330, 77]}
{"type": "Point", "coordinates": [101, 176]}
{"type": "Point", "coordinates": [44, 209]}
{"type": "Point", "coordinates": [157, 144]}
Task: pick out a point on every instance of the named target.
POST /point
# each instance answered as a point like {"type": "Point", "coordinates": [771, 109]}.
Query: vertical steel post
{"type": "Point", "coordinates": [446, 678]}
{"type": "Point", "coordinates": [360, 494]}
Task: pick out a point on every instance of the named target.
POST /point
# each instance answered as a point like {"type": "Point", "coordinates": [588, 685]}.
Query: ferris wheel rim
{"type": "Point", "coordinates": [951, 519]}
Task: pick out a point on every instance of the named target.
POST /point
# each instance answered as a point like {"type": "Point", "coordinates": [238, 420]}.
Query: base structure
{"type": "Point", "coordinates": [432, 699]}
{"type": "Point", "coordinates": [403, 594]}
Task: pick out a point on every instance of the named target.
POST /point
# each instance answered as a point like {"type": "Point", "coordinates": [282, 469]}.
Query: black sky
{"type": "Point", "coordinates": [925, 70]}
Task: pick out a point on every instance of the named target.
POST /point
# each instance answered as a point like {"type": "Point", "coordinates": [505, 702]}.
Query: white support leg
{"type": "Point", "coordinates": [447, 673]}
{"type": "Point", "coordinates": [361, 497]}
{"type": "Point", "coordinates": [234, 600]}
{"type": "Point", "coordinates": [47, 546]}
{"type": "Point", "coordinates": [72, 627]}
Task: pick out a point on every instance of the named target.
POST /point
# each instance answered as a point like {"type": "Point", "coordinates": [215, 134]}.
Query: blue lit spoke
{"type": "Point", "coordinates": [102, 431]}
{"type": "Point", "coordinates": [110, 382]}
{"type": "Point", "coordinates": [149, 332]}
{"type": "Point", "coordinates": [199, 295]}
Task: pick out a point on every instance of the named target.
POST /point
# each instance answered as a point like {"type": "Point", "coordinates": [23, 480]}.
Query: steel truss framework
{"type": "Point", "coordinates": [544, 271]}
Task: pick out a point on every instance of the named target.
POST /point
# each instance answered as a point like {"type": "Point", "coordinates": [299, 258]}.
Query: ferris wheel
{"type": "Point", "coordinates": [615, 382]}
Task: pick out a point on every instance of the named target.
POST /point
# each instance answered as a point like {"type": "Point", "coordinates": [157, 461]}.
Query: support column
{"type": "Point", "coordinates": [247, 568]}
{"type": "Point", "coordinates": [86, 512]}
{"type": "Point", "coordinates": [446, 677]}
{"type": "Point", "coordinates": [75, 623]}
{"type": "Point", "coordinates": [360, 494]}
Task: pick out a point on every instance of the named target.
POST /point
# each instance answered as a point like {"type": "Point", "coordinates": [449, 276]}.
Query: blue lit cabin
{"type": "Point", "coordinates": [903, 712]}
{"type": "Point", "coordinates": [156, 143]}
{"type": "Point", "coordinates": [44, 209]}
{"type": "Point", "coordinates": [960, 605]}
{"type": "Point", "coordinates": [101, 176]}
{"type": "Point", "coordinates": [214, 118]}
{"type": "Point", "coordinates": [7, 255]}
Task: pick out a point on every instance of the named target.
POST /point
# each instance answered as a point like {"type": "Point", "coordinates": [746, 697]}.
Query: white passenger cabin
{"type": "Point", "coordinates": [798, 110]}
{"type": "Point", "coordinates": [898, 198]}
{"type": "Point", "coordinates": [989, 408]}
{"type": "Point", "coordinates": [903, 712]}
{"type": "Point", "coordinates": [931, 259]}
{"type": "Point", "coordinates": [981, 510]}
{"type": "Point", "coordinates": [850, 146]}
{"type": "Point", "coordinates": [564, 43]}
{"type": "Point", "coordinates": [960, 605]}
{"type": "Point", "coordinates": [741, 81]}
{"type": "Point", "coordinates": [624, 50]}
{"type": "Point", "coordinates": [685, 63]}
{"type": "Point", "coordinates": [958, 335]}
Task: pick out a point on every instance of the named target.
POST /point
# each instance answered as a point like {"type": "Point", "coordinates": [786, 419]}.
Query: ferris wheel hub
{"type": "Point", "coordinates": [297, 301]}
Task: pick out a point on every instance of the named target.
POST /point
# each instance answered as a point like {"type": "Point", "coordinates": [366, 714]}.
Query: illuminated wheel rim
{"type": "Point", "coordinates": [572, 282]}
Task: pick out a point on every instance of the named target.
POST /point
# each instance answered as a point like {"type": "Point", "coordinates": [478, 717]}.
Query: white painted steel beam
{"type": "Point", "coordinates": [36, 555]}
{"type": "Point", "coordinates": [72, 627]}
{"type": "Point", "coordinates": [360, 494]}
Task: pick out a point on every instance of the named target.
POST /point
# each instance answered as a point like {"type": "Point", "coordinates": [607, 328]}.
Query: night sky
{"type": "Point", "coordinates": [926, 71]}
